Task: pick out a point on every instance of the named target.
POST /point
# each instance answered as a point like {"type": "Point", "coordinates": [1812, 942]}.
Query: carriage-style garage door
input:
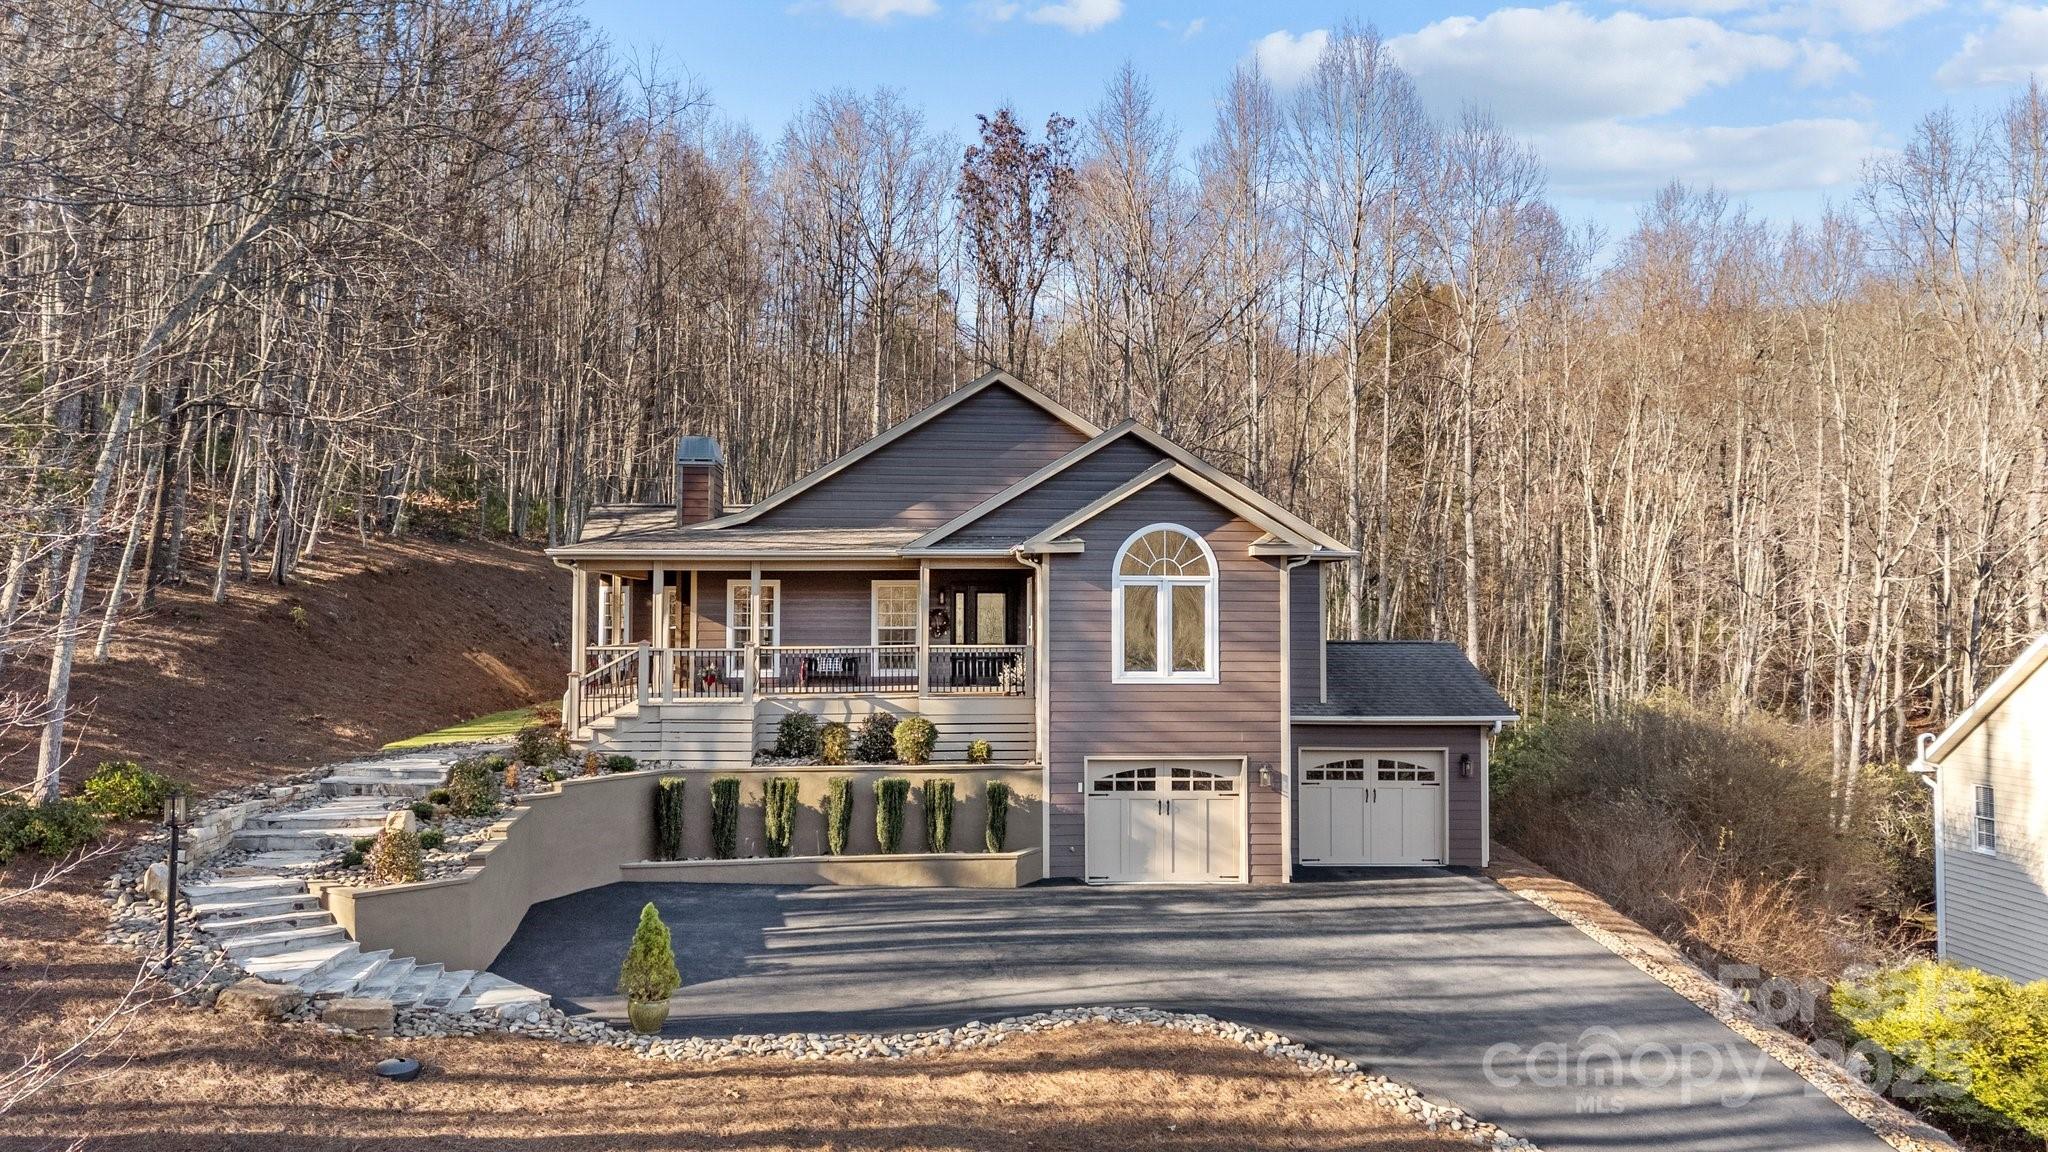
{"type": "Point", "coordinates": [1362, 806]}
{"type": "Point", "coordinates": [1167, 822]}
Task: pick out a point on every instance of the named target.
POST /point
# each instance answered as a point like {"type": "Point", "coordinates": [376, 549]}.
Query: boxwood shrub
{"type": "Point", "coordinates": [796, 737]}
{"type": "Point", "coordinates": [978, 752]}
{"type": "Point", "coordinates": [668, 818]}
{"type": "Point", "coordinates": [835, 743]}
{"type": "Point", "coordinates": [620, 762]}
{"type": "Point", "coordinates": [890, 792]}
{"type": "Point", "coordinates": [431, 839]}
{"type": "Point", "coordinates": [55, 829]}
{"type": "Point", "coordinates": [778, 814]}
{"type": "Point", "coordinates": [725, 817]}
{"type": "Point", "coordinates": [998, 827]}
{"type": "Point", "coordinates": [838, 814]}
{"type": "Point", "coordinates": [915, 737]}
{"type": "Point", "coordinates": [877, 741]}
{"type": "Point", "coordinates": [473, 784]}
{"type": "Point", "coordinates": [938, 815]}
{"type": "Point", "coordinates": [125, 790]}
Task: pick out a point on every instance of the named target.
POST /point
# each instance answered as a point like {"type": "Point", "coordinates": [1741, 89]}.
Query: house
{"type": "Point", "coordinates": [1141, 630]}
{"type": "Point", "coordinates": [1989, 774]}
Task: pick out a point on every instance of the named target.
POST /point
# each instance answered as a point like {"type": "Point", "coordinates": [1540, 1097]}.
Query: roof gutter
{"type": "Point", "coordinates": [1925, 770]}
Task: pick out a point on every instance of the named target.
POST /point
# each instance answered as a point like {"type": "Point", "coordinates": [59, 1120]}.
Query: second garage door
{"type": "Point", "coordinates": [1165, 822]}
{"type": "Point", "coordinates": [1363, 806]}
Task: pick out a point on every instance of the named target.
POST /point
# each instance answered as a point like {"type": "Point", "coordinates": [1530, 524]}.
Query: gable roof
{"type": "Point", "coordinates": [995, 378]}
{"type": "Point", "coordinates": [1404, 680]}
{"type": "Point", "coordinates": [2030, 661]}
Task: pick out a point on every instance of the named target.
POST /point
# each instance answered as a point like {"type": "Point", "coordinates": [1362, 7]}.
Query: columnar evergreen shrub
{"type": "Point", "coordinates": [668, 818]}
{"type": "Point", "coordinates": [473, 785]}
{"type": "Point", "coordinates": [649, 973]}
{"type": "Point", "coordinates": [938, 815]}
{"type": "Point", "coordinates": [395, 857]}
{"type": "Point", "coordinates": [998, 826]}
{"type": "Point", "coordinates": [125, 790]}
{"type": "Point", "coordinates": [835, 743]}
{"type": "Point", "coordinates": [1983, 1037]}
{"type": "Point", "coordinates": [877, 741]}
{"type": "Point", "coordinates": [838, 814]}
{"type": "Point", "coordinates": [725, 817]}
{"type": "Point", "coordinates": [796, 737]}
{"type": "Point", "coordinates": [978, 752]}
{"type": "Point", "coordinates": [778, 814]}
{"type": "Point", "coordinates": [915, 737]}
{"type": "Point", "coordinates": [890, 793]}
{"type": "Point", "coordinates": [50, 830]}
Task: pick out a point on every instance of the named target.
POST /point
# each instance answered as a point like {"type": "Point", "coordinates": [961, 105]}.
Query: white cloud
{"type": "Point", "coordinates": [1821, 17]}
{"type": "Point", "coordinates": [1078, 16]}
{"type": "Point", "coordinates": [882, 11]}
{"type": "Point", "coordinates": [1559, 65]}
{"type": "Point", "coordinates": [2009, 51]}
{"type": "Point", "coordinates": [1286, 59]}
{"type": "Point", "coordinates": [1187, 31]}
{"type": "Point", "coordinates": [1610, 160]}
{"type": "Point", "coordinates": [1821, 62]}
{"type": "Point", "coordinates": [995, 12]}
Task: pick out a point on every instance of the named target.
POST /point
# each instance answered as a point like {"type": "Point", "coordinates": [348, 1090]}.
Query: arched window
{"type": "Point", "coordinates": [1164, 612]}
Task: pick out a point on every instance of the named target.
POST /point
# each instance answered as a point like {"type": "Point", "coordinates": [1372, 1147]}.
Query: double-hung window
{"type": "Point", "coordinates": [894, 635]}
{"type": "Point", "coordinates": [1987, 820]}
{"type": "Point", "coordinates": [1163, 611]}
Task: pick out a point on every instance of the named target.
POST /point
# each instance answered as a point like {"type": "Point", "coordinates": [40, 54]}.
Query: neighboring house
{"type": "Point", "coordinates": [1989, 773]}
{"type": "Point", "coordinates": [1140, 629]}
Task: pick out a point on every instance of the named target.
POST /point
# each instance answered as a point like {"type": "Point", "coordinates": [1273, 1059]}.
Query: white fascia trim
{"type": "Point", "coordinates": [709, 558]}
{"type": "Point", "coordinates": [1988, 702]}
{"type": "Point", "coordinates": [1508, 719]}
{"type": "Point", "coordinates": [946, 404]}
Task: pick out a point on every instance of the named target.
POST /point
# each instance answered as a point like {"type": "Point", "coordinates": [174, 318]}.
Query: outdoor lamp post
{"type": "Point", "coordinates": [174, 819]}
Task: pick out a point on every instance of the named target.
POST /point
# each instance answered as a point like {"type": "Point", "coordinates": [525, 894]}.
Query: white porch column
{"type": "Point", "coordinates": [624, 607]}
{"type": "Point", "coordinates": [604, 609]}
{"type": "Point", "coordinates": [579, 620]}
{"type": "Point", "coordinates": [753, 632]}
{"type": "Point", "coordinates": [695, 611]}
{"type": "Point", "coordinates": [924, 632]}
{"type": "Point", "coordinates": [658, 630]}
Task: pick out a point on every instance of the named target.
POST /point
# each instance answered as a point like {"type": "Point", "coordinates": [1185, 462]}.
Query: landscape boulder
{"type": "Point", "coordinates": [254, 999]}
{"type": "Point", "coordinates": [402, 820]}
{"type": "Point", "coordinates": [362, 1014]}
{"type": "Point", "coordinates": [156, 881]}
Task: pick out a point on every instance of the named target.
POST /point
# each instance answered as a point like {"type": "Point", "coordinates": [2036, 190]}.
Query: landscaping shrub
{"type": "Point", "coordinates": [539, 745]}
{"type": "Point", "coordinates": [440, 796]}
{"type": "Point", "coordinates": [796, 737]}
{"type": "Point", "coordinates": [997, 828]}
{"type": "Point", "coordinates": [512, 778]}
{"type": "Point", "coordinates": [668, 818]}
{"type": "Point", "coordinates": [394, 857]}
{"type": "Point", "coordinates": [649, 973]}
{"type": "Point", "coordinates": [473, 787]}
{"type": "Point", "coordinates": [778, 814]}
{"type": "Point", "coordinates": [915, 737]}
{"type": "Point", "coordinates": [55, 829]}
{"type": "Point", "coordinates": [725, 817]}
{"type": "Point", "coordinates": [877, 740]}
{"type": "Point", "coordinates": [1983, 1038]}
{"type": "Point", "coordinates": [592, 764]}
{"type": "Point", "coordinates": [351, 859]}
{"type": "Point", "coordinates": [835, 743]}
{"type": "Point", "coordinates": [423, 811]}
{"type": "Point", "coordinates": [890, 792]}
{"type": "Point", "coordinates": [124, 790]}
{"type": "Point", "coordinates": [551, 775]}
{"type": "Point", "coordinates": [978, 752]}
{"type": "Point", "coordinates": [620, 762]}
{"type": "Point", "coordinates": [432, 839]}
{"type": "Point", "coordinates": [838, 814]}
{"type": "Point", "coordinates": [363, 843]}
{"type": "Point", "coordinates": [938, 815]}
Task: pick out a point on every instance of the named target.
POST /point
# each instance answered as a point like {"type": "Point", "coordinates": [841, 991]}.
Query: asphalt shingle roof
{"type": "Point", "coordinates": [1405, 679]}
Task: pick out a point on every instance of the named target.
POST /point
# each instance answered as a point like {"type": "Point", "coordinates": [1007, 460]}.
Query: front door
{"type": "Point", "coordinates": [1372, 807]}
{"type": "Point", "coordinates": [1170, 822]}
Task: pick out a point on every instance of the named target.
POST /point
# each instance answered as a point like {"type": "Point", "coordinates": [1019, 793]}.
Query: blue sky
{"type": "Point", "coordinates": [1779, 101]}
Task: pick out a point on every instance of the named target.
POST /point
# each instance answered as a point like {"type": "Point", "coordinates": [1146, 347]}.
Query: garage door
{"type": "Point", "coordinates": [1364, 806]}
{"type": "Point", "coordinates": [1169, 822]}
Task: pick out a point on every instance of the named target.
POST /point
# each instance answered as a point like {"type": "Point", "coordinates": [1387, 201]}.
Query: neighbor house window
{"type": "Point", "coordinates": [895, 619]}
{"type": "Point", "coordinates": [1987, 820]}
{"type": "Point", "coordinates": [1164, 607]}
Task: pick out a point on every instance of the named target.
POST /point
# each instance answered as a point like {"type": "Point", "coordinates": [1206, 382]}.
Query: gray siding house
{"type": "Point", "coordinates": [1989, 773]}
{"type": "Point", "coordinates": [1139, 630]}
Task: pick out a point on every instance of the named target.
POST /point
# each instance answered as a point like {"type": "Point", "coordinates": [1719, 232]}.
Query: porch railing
{"type": "Point", "coordinates": [615, 682]}
{"type": "Point", "coordinates": [699, 673]}
{"type": "Point", "coordinates": [979, 669]}
{"type": "Point", "coordinates": [821, 671]}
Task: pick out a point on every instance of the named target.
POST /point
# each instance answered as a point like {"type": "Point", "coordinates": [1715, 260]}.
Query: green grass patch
{"type": "Point", "coordinates": [496, 726]}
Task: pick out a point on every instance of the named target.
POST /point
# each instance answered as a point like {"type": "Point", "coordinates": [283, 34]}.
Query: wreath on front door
{"type": "Point", "coordinates": [940, 623]}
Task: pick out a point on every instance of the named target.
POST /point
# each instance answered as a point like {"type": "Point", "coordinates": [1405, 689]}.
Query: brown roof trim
{"type": "Point", "coordinates": [875, 444]}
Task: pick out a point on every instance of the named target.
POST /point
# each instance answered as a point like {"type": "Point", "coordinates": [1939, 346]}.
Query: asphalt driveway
{"type": "Point", "coordinates": [1442, 981]}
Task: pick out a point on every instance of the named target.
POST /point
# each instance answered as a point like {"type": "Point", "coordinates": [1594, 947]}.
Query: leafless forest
{"type": "Point", "coordinates": [271, 273]}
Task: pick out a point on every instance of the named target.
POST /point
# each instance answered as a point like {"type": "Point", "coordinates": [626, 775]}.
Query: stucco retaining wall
{"type": "Point", "coordinates": [580, 837]}
{"type": "Point", "coordinates": [945, 870]}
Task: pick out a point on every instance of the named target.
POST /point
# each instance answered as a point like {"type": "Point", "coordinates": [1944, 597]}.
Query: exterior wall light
{"type": "Point", "coordinates": [1464, 765]}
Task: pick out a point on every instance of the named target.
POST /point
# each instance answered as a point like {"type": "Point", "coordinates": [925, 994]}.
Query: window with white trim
{"type": "Point", "coordinates": [1163, 608]}
{"type": "Point", "coordinates": [1987, 820]}
{"type": "Point", "coordinates": [895, 619]}
{"type": "Point", "coordinates": [739, 613]}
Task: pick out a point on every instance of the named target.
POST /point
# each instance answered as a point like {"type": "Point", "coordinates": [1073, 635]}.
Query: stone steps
{"type": "Point", "coordinates": [233, 927]}
{"type": "Point", "coordinates": [231, 908]}
{"type": "Point", "coordinates": [281, 940]}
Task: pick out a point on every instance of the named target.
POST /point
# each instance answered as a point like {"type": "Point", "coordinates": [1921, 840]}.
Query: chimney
{"type": "Point", "coordinates": [700, 480]}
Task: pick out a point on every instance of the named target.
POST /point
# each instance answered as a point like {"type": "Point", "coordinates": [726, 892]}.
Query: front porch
{"type": "Point", "coordinates": [697, 660]}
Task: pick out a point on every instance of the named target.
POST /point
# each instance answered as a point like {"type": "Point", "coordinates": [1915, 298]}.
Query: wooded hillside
{"type": "Point", "coordinates": [273, 273]}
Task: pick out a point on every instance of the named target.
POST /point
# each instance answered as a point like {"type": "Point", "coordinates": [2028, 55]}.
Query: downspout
{"type": "Point", "coordinates": [1041, 583]}
{"type": "Point", "coordinates": [1926, 771]}
{"type": "Point", "coordinates": [1286, 764]}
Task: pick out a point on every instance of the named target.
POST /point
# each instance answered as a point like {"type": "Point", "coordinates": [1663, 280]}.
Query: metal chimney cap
{"type": "Point", "coordinates": [699, 450]}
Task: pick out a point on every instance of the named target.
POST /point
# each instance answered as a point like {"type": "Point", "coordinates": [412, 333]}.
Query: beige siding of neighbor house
{"type": "Point", "coordinates": [1995, 906]}
{"type": "Point", "coordinates": [1466, 817]}
{"type": "Point", "coordinates": [934, 473]}
{"type": "Point", "coordinates": [1240, 716]}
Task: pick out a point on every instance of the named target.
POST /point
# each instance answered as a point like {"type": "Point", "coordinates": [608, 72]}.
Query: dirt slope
{"type": "Point", "coordinates": [370, 644]}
